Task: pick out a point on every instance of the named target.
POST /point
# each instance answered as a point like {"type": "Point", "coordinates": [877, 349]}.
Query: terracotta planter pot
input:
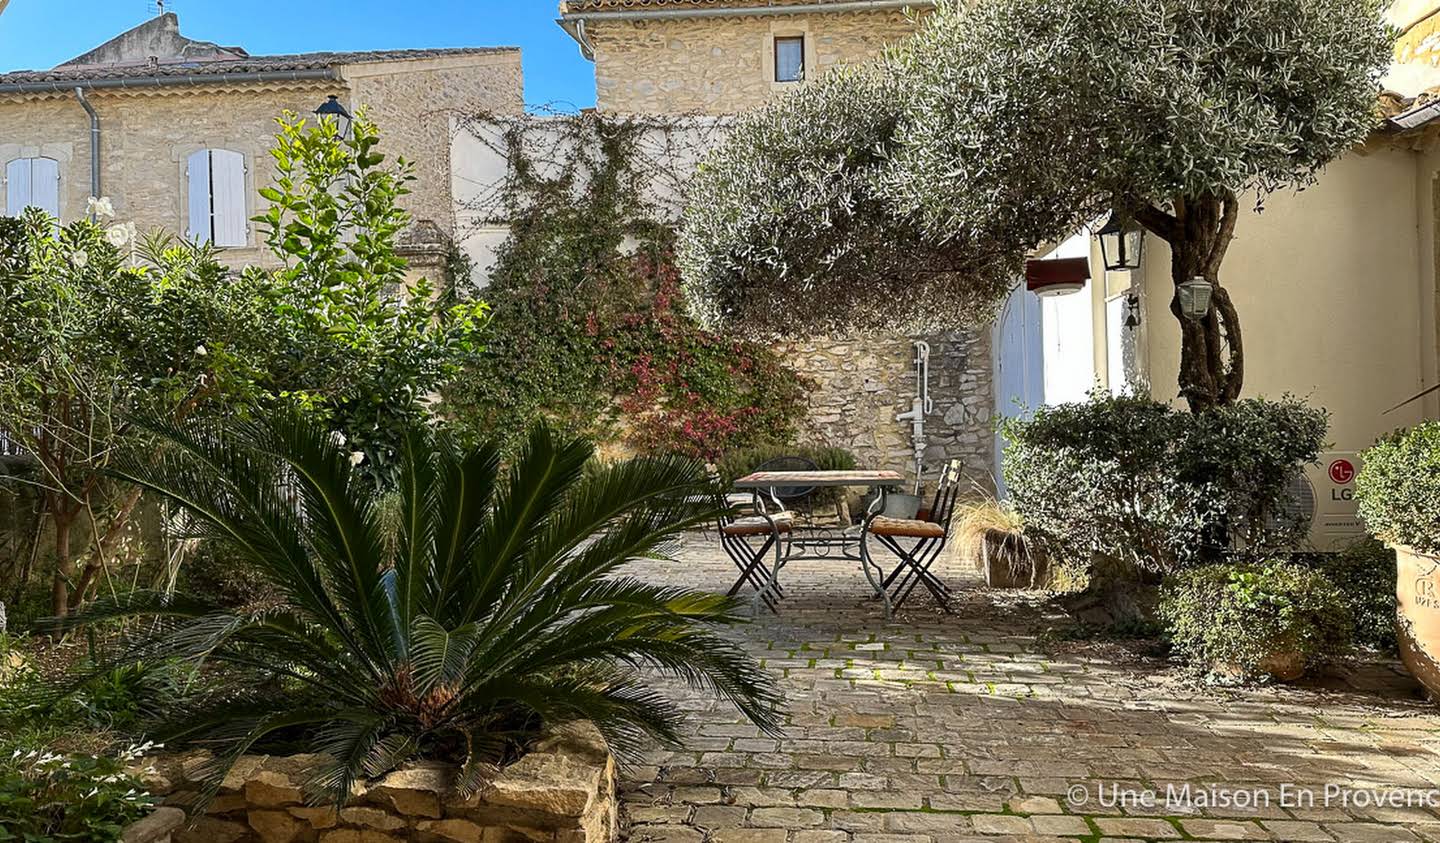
{"type": "Point", "coordinates": [1417, 591]}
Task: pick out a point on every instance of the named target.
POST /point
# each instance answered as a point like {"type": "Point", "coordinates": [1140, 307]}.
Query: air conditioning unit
{"type": "Point", "coordinates": [1324, 498]}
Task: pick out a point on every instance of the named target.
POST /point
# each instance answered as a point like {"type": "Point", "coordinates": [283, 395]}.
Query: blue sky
{"type": "Point", "coordinates": [42, 33]}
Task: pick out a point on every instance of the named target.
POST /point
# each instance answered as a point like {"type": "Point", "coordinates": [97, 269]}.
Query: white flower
{"type": "Point", "coordinates": [357, 457]}
{"type": "Point", "coordinates": [200, 351]}
{"type": "Point", "coordinates": [101, 208]}
{"type": "Point", "coordinates": [338, 438]}
{"type": "Point", "coordinates": [80, 258]}
{"type": "Point", "coordinates": [121, 234]}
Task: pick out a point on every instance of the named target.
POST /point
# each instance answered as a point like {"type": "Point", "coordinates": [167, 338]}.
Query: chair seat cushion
{"type": "Point", "coordinates": [906, 528]}
{"type": "Point", "coordinates": [755, 525]}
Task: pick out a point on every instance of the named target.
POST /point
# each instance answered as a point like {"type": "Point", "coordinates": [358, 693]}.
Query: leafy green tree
{"type": "Point", "coordinates": [96, 328]}
{"type": "Point", "coordinates": [370, 347]}
{"type": "Point", "coordinates": [909, 193]}
{"type": "Point", "coordinates": [93, 329]}
{"type": "Point", "coordinates": [496, 606]}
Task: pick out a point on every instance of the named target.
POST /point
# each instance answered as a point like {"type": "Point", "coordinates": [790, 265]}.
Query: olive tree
{"type": "Point", "coordinates": [909, 193]}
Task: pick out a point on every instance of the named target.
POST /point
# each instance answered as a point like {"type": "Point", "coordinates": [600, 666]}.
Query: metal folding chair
{"type": "Point", "coordinates": [929, 535]}
{"type": "Point", "coordinates": [749, 539]}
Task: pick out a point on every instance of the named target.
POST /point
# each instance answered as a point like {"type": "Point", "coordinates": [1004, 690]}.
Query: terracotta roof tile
{"type": "Point", "coordinates": [247, 64]}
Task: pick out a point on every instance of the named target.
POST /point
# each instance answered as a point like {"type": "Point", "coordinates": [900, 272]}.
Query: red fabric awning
{"type": "Point", "coordinates": [1041, 275]}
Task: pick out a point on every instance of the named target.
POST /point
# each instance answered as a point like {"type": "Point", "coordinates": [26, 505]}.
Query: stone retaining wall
{"type": "Point", "coordinates": [861, 383]}
{"type": "Point", "coordinates": [563, 791]}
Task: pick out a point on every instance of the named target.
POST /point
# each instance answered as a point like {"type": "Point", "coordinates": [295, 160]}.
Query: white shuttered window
{"type": "Point", "coordinates": [32, 182]}
{"type": "Point", "coordinates": [217, 197]}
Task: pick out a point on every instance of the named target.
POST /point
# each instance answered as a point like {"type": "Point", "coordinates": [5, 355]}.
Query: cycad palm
{"type": "Point", "coordinates": [484, 603]}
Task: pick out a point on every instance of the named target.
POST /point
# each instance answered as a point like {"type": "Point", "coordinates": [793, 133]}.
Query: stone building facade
{"type": "Point", "coordinates": [719, 65]}
{"type": "Point", "coordinates": [685, 57]}
{"type": "Point", "coordinates": [160, 97]}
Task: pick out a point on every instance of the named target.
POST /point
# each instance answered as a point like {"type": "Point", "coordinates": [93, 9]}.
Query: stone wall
{"type": "Point", "coordinates": [563, 790]}
{"type": "Point", "coordinates": [862, 383]}
{"type": "Point", "coordinates": [413, 102]}
{"type": "Point", "coordinates": [723, 65]}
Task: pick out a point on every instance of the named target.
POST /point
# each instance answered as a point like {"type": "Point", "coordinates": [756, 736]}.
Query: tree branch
{"type": "Point", "coordinates": [1158, 222]}
{"type": "Point", "coordinates": [1230, 320]}
{"type": "Point", "coordinates": [1225, 232]}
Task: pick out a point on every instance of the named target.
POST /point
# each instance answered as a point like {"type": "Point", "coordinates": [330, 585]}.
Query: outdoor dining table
{"type": "Point", "coordinates": [816, 543]}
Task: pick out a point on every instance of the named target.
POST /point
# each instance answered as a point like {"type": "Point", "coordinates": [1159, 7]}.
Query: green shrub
{"type": "Point", "coordinates": [1398, 488]}
{"type": "Point", "coordinates": [1130, 479]}
{"type": "Point", "coordinates": [87, 702]}
{"type": "Point", "coordinates": [1230, 619]}
{"type": "Point", "coordinates": [1365, 573]}
{"type": "Point", "coordinates": [47, 796]}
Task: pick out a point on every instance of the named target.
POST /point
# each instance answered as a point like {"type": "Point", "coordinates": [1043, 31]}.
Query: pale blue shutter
{"type": "Point", "coordinates": [197, 171]}
{"type": "Point", "coordinates": [45, 185]}
{"type": "Point", "coordinates": [227, 197]}
{"type": "Point", "coordinates": [17, 186]}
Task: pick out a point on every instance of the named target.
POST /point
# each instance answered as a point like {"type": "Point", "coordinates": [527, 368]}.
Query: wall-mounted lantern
{"type": "Point", "coordinates": [1122, 243]}
{"type": "Point", "coordinates": [332, 108]}
{"type": "Point", "coordinates": [1195, 296]}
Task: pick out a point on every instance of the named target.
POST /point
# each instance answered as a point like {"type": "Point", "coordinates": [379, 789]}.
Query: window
{"type": "Point", "coordinates": [32, 182]}
{"type": "Point", "coordinates": [217, 197]}
{"type": "Point", "coordinates": [790, 59]}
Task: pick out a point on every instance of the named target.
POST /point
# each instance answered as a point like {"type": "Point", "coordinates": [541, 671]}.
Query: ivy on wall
{"type": "Point", "coordinates": [588, 327]}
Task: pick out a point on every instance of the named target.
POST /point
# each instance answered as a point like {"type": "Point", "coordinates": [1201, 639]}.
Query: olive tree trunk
{"type": "Point", "coordinates": [1212, 355]}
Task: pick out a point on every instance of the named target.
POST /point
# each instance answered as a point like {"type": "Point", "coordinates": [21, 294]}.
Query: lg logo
{"type": "Point", "coordinates": [1342, 471]}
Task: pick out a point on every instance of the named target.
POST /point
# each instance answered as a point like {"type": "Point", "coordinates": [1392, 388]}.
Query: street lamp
{"type": "Point", "coordinates": [1195, 296]}
{"type": "Point", "coordinates": [332, 108]}
{"type": "Point", "coordinates": [1122, 244]}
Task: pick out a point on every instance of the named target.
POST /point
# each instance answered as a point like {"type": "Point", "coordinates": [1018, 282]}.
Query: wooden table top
{"type": "Point", "coordinates": [772, 479]}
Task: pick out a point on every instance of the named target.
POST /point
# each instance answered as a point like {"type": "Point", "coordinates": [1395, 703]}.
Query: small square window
{"type": "Point", "coordinates": [790, 59]}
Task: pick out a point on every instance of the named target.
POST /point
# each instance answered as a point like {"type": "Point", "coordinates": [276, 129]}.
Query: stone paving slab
{"type": "Point", "coordinates": [991, 724]}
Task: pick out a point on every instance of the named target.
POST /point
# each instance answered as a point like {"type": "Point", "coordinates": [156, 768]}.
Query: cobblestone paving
{"type": "Point", "coordinates": [989, 724]}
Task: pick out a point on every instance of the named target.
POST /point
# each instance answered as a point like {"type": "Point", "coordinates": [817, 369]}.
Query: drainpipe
{"type": "Point", "coordinates": [94, 143]}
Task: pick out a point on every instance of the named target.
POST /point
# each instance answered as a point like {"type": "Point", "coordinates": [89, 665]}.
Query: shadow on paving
{"type": "Point", "coordinates": [982, 725]}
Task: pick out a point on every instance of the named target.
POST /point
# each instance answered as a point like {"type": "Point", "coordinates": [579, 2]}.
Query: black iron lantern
{"type": "Point", "coordinates": [333, 109]}
{"type": "Point", "coordinates": [1122, 243]}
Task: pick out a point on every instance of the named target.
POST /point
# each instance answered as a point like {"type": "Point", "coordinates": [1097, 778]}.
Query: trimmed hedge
{"type": "Point", "coordinates": [1227, 620]}
{"type": "Point", "coordinates": [1131, 479]}
{"type": "Point", "coordinates": [1398, 488]}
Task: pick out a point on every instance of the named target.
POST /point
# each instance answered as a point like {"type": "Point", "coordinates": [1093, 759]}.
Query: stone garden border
{"type": "Point", "coordinates": [563, 790]}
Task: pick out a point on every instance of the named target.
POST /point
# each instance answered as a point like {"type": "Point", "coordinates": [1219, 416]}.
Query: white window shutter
{"type": "Point", "coordinates": [17, 186]}
{"type": "Point", "coordinates": [227, 202]}
{"type": "Point", "coordinates": [198, 177]}
{"type": "Point", "coordinates": [45, 185]}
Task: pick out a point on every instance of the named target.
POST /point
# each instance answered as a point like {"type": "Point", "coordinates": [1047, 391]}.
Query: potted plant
{"type": "Point", "coordinates": [1238, 622]}
{"type": "Point", "coordinates": [994, 535]}
{"type": "Point", "coordinates": [1398, 489]}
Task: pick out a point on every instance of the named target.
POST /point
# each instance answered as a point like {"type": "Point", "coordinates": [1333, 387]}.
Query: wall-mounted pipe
{"type": "Point", "coordinates": [920, 405]}
{"type": "Point", "coordinates": [94, 145]}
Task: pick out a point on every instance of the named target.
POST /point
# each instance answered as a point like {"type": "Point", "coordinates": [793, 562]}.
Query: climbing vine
{"type": "Point", "coordinates": [589, 330]}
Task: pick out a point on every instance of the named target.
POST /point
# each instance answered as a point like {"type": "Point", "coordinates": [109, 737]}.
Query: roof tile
{"type": "Point", "coordinates": [247, 64]}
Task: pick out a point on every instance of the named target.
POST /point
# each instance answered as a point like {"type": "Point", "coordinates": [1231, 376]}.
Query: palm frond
{"type": "Point", "coordinates": [457, 616]}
